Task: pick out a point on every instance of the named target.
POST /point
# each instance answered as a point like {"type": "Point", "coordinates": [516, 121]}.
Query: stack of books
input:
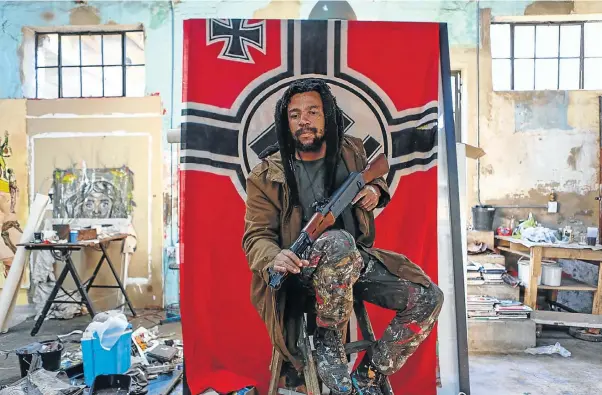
{"type": "Point", "coordinates": [481, 306]}
{"type": "Point", "coordinates": [473, 274]}
{"type": "Point", "coordinates": [512, 310]}
{"type": "Point", "coordinates": [492, 273]}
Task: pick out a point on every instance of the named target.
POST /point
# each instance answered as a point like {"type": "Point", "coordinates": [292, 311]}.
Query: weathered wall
{"type": "Point", "coordinates": [108, 133]}
{"type": "Point", "coordinates": [539, 143]}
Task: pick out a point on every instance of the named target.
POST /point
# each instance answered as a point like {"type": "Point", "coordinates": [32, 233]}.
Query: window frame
{"type": "Point", "coordinates": [559, 57]}
{"type": "Point", "coordinates": [59, 66]}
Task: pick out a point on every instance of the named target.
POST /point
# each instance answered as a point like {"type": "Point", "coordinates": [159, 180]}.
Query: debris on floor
{"type": "Point", "coordinates": [109, 357]}
{"type": "Point", "coordinates": [552, 349]}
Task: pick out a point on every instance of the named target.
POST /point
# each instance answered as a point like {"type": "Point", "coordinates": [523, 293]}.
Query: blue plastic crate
{"type": "Point", "coordinates": [99, 361]}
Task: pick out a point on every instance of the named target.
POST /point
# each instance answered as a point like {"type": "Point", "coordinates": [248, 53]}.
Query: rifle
{"type": "Point", "coordinates": [328, 212]}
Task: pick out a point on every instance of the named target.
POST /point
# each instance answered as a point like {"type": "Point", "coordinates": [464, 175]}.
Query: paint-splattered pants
{"type": "Point", "coordinates": [337, 274]}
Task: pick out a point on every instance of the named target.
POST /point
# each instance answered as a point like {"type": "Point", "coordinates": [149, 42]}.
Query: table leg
{"type": "Point", "coordinates": [80, 287]}
{"type": "Point", "coordinates": [535, 271]}
{"type": "Point", "coordinates": [104, 251]}
{"type": "Point", "coordinates": [597, 307]}
{"type": "Point", "coordinates": [96, 270]}
{"type": "Point", "coordinates": [50, 300]}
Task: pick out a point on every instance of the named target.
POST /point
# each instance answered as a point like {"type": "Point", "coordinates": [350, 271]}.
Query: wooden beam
{"type": "Point", "coordinates": [572, 253]}
{"type": "Point", "coordinates": [524, 254]}
{"type": "Point", "coordinates": [535, 271]}
{"type": "Point", "coordinates": [578, 320]}
{"type": "Point", "coordinates": [597, 304]}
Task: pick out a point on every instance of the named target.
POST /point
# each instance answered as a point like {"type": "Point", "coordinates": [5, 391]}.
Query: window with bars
{"type": "Point", "coordinates": [89, 64]}
{"type": "Point", "coordinates": [546, 56]}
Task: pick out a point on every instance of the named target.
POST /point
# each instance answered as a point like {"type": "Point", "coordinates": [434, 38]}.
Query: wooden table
{"type": "Point", "coordinates": [62, 252]}
{"type": "Point", "coordinates": [537, 251]}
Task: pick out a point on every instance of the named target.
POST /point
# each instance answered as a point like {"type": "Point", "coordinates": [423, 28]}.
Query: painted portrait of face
{"type": "Point", "coordinates": [98, 200]}
{"type": "Point", "coordinates": [97, 205]}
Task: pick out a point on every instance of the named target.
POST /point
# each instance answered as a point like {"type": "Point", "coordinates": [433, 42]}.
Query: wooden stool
{"type": "Point", "coordinates": [312, 382]}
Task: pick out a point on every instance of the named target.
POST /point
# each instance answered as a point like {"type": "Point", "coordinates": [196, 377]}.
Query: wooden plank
{"type": "Point", "coordinates": [502, 242]}
{"type": "Point", "coordinates": [535, 270]}
{"type": "Point", "coordinates": [597, 305]}
{"type": "Point", "coordinates": [572, 253]}
{"type": "Point", "coordinates": [567, 319]}
{"type": "Point", "coordinates": [570, 284]}
{"type": "Point", "coordinates": [520, 248]}
{"type": "Point", "coordinates": [507, 249]}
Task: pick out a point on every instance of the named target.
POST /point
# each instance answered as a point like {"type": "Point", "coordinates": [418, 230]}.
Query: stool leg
{"type": "Point", "coordinates": [365, 325]}
{"type": "Point", "coordinates": [275, 367]}
{"type": "Point", "coordinates": [312, 384]}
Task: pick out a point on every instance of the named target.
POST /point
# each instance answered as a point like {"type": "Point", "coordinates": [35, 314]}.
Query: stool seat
{"type": "Point", "coordinates": [312, 381]}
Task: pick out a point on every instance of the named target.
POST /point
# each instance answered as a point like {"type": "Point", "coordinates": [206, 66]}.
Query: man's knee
{"type": "Point", "coordinates": [332, 246]}
{"type": "Point", "coordinates": [434, 300]}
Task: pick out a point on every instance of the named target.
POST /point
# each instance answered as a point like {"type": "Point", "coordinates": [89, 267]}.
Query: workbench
{"type": "Point", "coordinates": [538, 251]}
{"type": "Point", "coordinates": [62, 252]}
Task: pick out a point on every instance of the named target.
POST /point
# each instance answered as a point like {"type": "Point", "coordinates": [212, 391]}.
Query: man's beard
{"type": "Point", "coordinates": [314, 146]}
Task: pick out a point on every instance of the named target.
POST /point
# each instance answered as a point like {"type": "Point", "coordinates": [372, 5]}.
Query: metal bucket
{"type": "Point", "coordinates": [482, 217]}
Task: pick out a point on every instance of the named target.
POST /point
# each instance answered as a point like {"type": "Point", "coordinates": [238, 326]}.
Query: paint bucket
{"type": "Point", "coordinates": [524, 273]}
{"type": "Point", "coordinates": [51, 359]}
{"type": "Point", "coordinates": [551, 275]}
{"type": "Point", "coordinates": [73, 236]}
{"type": "Point", "coordinates": [482, 217]}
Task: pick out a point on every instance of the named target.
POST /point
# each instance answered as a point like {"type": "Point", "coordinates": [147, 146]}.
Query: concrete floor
{"type": "Point", "coordinates": [500, 374]}
{"type": "Point", "coordinates": [524, 374]}
{"type": "Point", "coordinates": [19, 336]}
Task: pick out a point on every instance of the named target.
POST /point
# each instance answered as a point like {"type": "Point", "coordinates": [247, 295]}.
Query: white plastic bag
{"type": "Point", "coordinates": [554, 349]}
{"type": "Point", "coordinates": [108, 326]}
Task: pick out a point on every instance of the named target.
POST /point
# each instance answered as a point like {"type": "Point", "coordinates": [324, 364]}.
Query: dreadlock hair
{"type": "Point", "coordinates": [333, 132]}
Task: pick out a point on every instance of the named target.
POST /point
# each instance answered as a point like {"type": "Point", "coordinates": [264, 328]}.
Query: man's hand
{"type": "Point", "coordinates": [287, 261]}
{"type": "Point", "coordinates": [368, 197]}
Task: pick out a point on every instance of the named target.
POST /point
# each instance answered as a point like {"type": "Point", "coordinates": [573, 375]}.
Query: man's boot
{"type": "Point", "coordinates": [331, 361]}
{"type": "Point", "coordinates": [366, 379]}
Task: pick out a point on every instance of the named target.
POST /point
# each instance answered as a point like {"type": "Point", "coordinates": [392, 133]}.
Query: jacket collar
{"type": "Point", "coordinates": [276, 168]}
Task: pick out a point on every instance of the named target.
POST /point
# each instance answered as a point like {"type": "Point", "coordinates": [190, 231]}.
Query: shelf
{"type": "Point", "coordinates": [570, 284]}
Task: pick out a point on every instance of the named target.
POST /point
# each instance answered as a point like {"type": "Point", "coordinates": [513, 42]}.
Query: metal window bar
{"type": "Point", "coordinates": [512, 58]}
{"type": "Point", "coordinates": [60, 66]}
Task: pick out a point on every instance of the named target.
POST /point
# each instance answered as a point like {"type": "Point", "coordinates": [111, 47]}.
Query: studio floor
{"type": "Point", "coordinates": [490, 374]}
{"type": "Point", "coordinates": [524, 374]}
{"type": "Point", "coordinates": [19, 335]}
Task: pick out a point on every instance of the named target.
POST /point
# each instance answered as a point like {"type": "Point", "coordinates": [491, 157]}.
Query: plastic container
{"type": "Point", "coordinates": [51, 360]}
{"type": "Point", "coordinates": [117, 384]}
{"type": "Point", "coordinates": [551, 275]}
{"type": "Point", "coordinates": [73, 236]}
{"type": "Point", "coordinates": [524, 273]}
{"type": "Point", "coordinates": [98, 361]}
{"type": "Point", "coordinates": [482, 217]}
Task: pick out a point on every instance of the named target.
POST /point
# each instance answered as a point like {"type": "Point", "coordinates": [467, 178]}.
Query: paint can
{"type": "Point", "coordinates": [73, 236]}
{"type": "Point", "coordinates": [551, 275]}
{"type": "Point", "coordinates": [524, 273]}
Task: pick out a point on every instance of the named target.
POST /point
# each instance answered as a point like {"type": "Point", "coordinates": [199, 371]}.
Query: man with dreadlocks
{"type": "Point", "coordinates": [312, 158]}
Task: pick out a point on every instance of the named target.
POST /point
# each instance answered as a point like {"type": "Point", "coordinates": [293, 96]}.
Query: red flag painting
{"type": "Point", "coordinates": [385, 76]}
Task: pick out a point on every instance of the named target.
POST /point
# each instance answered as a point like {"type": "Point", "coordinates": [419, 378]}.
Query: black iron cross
{"type": "Point", "coordinates": [237, 35]}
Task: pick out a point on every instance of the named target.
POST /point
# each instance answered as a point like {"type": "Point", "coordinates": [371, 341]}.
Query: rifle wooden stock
{"type": "Point", "coordinates": [324, 218]}
{"type": "Point", "coordinates": [318, 224]}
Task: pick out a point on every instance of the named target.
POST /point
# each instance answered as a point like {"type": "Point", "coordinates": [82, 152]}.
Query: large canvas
{"type": "Point", "coordinates": [93, 193]}
{"type": "Point", "coordinates": [385, 77]}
